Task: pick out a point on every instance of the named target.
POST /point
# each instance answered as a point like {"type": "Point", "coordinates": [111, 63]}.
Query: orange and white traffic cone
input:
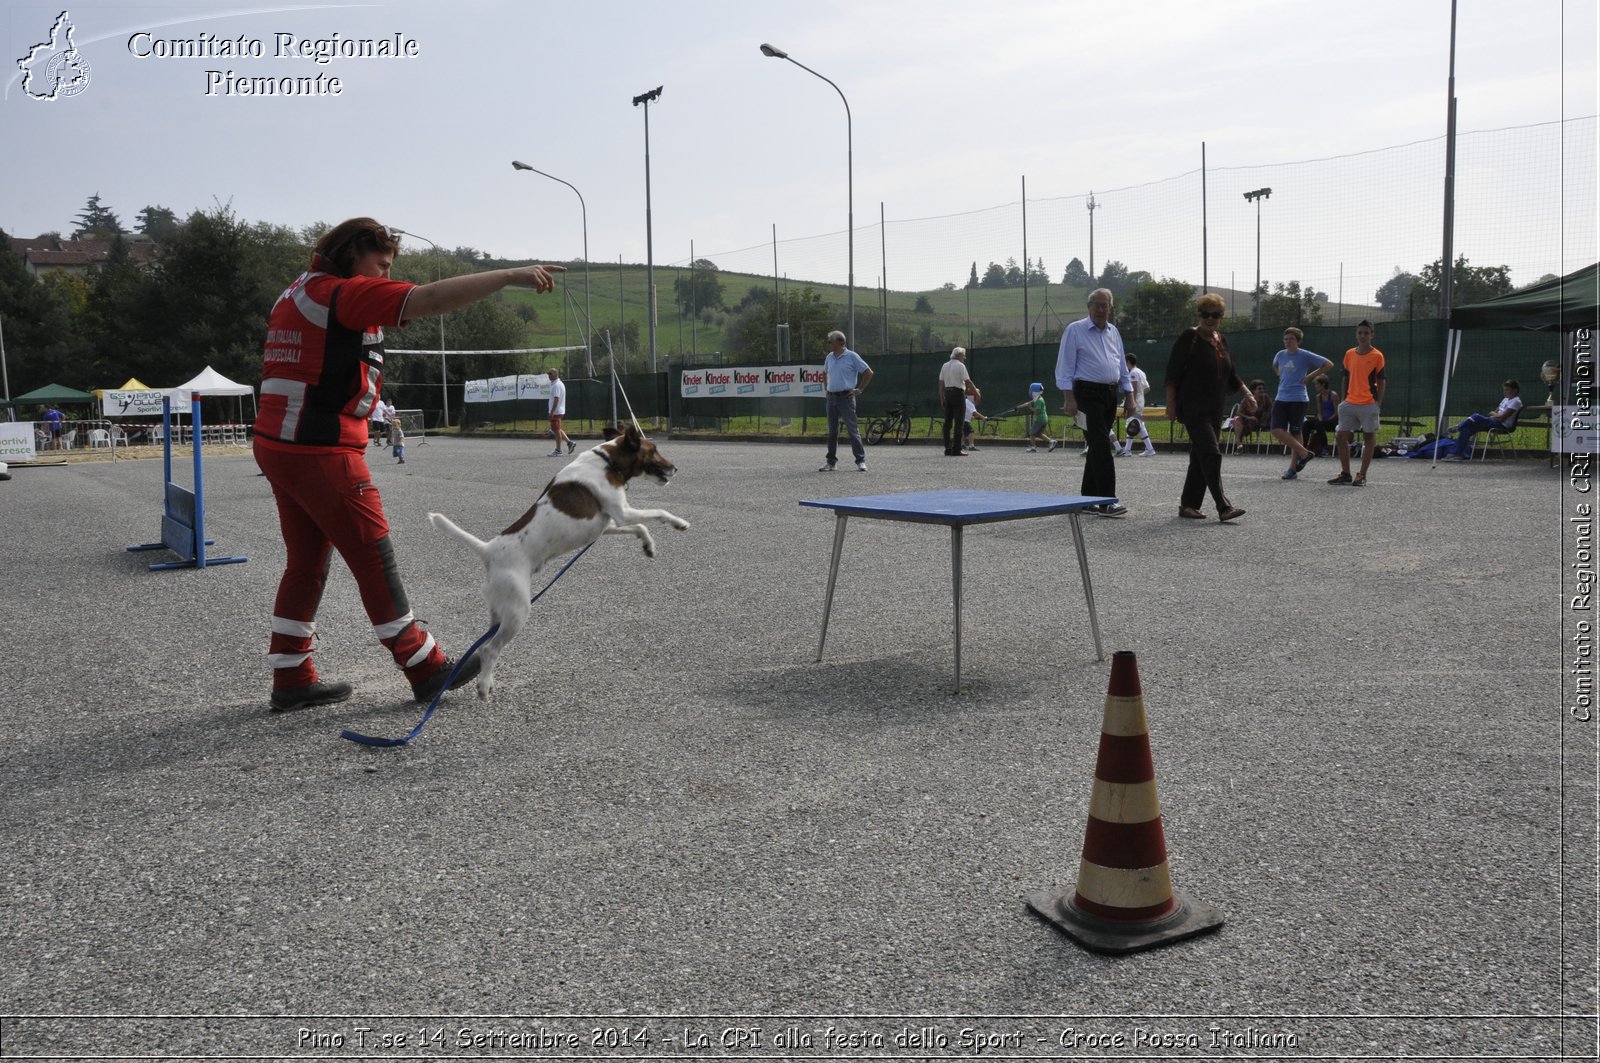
{"type": "Point", "coordinates": [1124, 901]}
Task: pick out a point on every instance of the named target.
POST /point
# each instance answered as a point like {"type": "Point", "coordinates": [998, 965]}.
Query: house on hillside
{"type": "Point", "coordinates": [43, 254]}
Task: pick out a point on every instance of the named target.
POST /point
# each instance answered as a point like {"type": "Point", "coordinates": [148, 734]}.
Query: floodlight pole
{"type": "Point", "coordinates": [588, 324]}
{"type": "Point", "coordinates": [1092, 205]}
{"type": "Point", "coordinates": [850, 179]}
{"type": "Point", "coordinates": [444, 384]}
{"type": "Point", "coordinates": [649, 247]}
{"type": "Point", "coordinates": [1256, 197]}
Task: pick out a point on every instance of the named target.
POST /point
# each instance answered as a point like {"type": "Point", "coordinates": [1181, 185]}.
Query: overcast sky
{"type": "Point", "coordinates": [951, 102]}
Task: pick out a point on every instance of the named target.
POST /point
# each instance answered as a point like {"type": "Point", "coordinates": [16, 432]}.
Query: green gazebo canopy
{"type": "Point", "coordinates": [54, 395]}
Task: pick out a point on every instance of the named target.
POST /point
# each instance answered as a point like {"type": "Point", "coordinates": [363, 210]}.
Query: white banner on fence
{"type": "Point", "coordinates": [534, 387]}
{"type": "Point", "coordinates": [132, 403]}
{"type": "Point", "coordinates": [16, 441]}
{"type": "Point", "coordinates": [1573, 430]}
{"type": "Point", "coordinates": [759, 382]}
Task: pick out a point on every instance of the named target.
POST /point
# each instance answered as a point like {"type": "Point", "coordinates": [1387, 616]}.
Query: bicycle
{"type": "Point", "coordinates": [896, 422]}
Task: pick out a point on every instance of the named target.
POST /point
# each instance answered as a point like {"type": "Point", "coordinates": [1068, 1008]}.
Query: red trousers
{"type": "Point", "coordinates": [326, 502]}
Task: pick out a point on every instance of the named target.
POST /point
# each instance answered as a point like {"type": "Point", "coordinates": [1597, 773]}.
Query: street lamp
{"type": "Point", "coordinates": [588, 325]}
{"type": "Point", "coordinates": [1256, 197]}
{"type": "Point", "coordinates": [850, 186]}
{"type": "Point", "coordinates": [444, 383]}
{"type": "Point", "coordinates": [649, 247]}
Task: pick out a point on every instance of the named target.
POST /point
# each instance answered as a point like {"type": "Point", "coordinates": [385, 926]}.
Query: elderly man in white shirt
{"type": "Point", "coordinates": [955, 384]}
{"type": "Point", "coordinates": [1092, 372]}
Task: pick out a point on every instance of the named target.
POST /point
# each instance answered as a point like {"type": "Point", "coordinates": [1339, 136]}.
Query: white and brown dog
{"type": "Point", "coordinates": [586, 500]}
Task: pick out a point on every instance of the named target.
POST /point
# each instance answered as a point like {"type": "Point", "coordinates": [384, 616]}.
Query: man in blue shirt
{"type": "Point", "coordinates": [1092, 373]}
{"type": "Point", "coordinates": [848, 376]}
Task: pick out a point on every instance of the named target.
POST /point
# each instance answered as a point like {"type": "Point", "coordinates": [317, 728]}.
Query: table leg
{"type": "Point", "coordinates": [833, 575]}
{"type": "Point", "coordinates": [955, 581]}
{"type": "Point", "coordinates": [1088, 590]}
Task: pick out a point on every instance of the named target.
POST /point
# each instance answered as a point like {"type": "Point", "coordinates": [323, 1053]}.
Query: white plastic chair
{"type": "Point", "coordinates": [99, 437]}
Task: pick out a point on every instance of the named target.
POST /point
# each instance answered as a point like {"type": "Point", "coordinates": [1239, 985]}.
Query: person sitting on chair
{"type": "Point", "coordinates": [1324, 420]}
{"type": "Point", "coordinates": [1504, 416]}
{"type": "Point", "coordinates": [1246, 425]}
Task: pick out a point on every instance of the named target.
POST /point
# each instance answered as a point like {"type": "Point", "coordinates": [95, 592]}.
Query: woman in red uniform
{"type": "Point", "coordinates": [322, 372]}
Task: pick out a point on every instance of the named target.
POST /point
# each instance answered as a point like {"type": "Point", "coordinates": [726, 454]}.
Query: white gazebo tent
{"type": "Point", "coordinates": [209, 382]}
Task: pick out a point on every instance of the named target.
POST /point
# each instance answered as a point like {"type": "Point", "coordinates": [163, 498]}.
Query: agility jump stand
{"type": "Point", "coordinates": [1124, 901]}
{"type": "Point", "coordinates": [183, 513]}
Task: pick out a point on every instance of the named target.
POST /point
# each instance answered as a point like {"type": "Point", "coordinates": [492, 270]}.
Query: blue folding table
{"type": "Point", "coordinates": [957, 509]}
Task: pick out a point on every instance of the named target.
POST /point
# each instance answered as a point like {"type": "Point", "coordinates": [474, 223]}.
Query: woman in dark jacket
{"type": "Point", "coordinates": [1198, 371]}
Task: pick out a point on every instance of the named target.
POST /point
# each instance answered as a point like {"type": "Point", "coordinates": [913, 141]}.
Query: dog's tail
{"type": "Point", "coordinates": [445, 524]}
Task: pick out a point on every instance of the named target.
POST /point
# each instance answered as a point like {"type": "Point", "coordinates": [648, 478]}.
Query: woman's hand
{"type": "Point", "coordinates": [536, 277]}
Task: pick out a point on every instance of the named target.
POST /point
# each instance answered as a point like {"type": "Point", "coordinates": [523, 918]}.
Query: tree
{"type": "Point", "coordinates": [1469, 284]}
{"type": "Point", "coordinates": [1013, 274]}
{"type": "Point", "coordinates": [1119, 280]}
{"type": "Point", "coordinates": [1394, 291]}
{"type": "Point", "coordinates": [972, 281]}
{"type": "Point", "coordinates": [43, 342]}
{"type": "Point", "coordinates": [624, 338]}
{"type": "Point", "coordinates": [994, 276]}
{"type": "Point", "coordinates": [1076, 276]}
{"type": "Point", "coordinates": [699, 289]}
{"type": "Point", "coordinates": [753, 332]}
{"type": "Point", "coordinates": [97, 222]}
{"type": "Point", "coordinates": [1287, 304]}
{"type": "Point", "coordinates": [758, 294]}
{"type": "Point", "coordinates": [158, 223]}
{"type": "Point", "coordinates": [1157, 308]}
{"type": "Point", "coordinates": [923, 306]}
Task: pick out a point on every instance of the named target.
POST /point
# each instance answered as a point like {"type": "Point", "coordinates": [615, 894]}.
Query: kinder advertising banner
{"type": "Point", "coordinates": [502, 388]}
{"type": "Point", "coordinates": [535, 386]}
{"type": "Point", "coordinates": [131, 403]}
{"type": "Point", "coordinates": [762, 382]}
{"type": "Point", "coordinates": [477, 391]}
{"type": "Point", "coordinates": [16, 441]}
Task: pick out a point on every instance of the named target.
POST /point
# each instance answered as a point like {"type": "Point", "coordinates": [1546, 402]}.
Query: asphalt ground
{"type": "Point", "coordinates": [1364, 751]}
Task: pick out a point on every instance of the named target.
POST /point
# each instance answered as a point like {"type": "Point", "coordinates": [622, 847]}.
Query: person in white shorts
{"type": "Point", "coordinates": [1135, 422]}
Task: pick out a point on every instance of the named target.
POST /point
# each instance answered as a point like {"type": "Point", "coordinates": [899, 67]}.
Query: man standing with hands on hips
{"type": "Point", "coordinates": [848, 376]}
{"type": "Point", "coordinates": [1092, 373]}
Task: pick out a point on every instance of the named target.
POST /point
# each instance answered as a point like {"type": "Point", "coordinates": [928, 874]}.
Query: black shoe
{"type": "Point", "coordinates": [429, 688]}
{"type": "Point", "coordinates": [1110, 509]}
{"type": "Point", "coordinates": [318, 693]}
{"type": "Point", "coordinates": [571, 446]}
{"type": "Point", "coordinates": [1342, 478]}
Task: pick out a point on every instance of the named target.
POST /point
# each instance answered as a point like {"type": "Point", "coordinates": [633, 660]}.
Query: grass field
{"type": "Point", "coordinates": [977, 317]}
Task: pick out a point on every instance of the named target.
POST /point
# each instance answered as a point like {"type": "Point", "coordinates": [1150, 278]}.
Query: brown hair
{"type": "Point", "coordinates": [1211, 301]}
{"type": "Point", "coordinates": [341, 245]}
{"type": "Point", "coordinates": [1296, 333]}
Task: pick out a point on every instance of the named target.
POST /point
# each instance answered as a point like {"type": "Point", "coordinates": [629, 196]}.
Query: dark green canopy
{"type": "Point", "coordinates": [54, 395]}
{"type": "Point", "coordinates": [1564, 304]}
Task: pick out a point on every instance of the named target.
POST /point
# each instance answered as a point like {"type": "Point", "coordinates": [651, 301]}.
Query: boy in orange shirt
{"type": "Point", "coordinates": [1363, 393]}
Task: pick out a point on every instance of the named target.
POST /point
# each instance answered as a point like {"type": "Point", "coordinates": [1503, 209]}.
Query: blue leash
{"type": "Point", "coordinates": [368, 740]}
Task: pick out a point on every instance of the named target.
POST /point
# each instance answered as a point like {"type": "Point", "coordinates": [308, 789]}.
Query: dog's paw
{"type": "Point", "coordinates": [680, 524]}
{"type": "Point", "coordinates": [485, 688]}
